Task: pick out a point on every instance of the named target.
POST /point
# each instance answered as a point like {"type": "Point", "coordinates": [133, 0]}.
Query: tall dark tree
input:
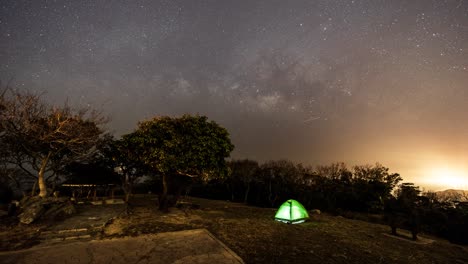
{"type": "Point", "coordinates": [189, 146]}
{"type": "Point", "coordinates": [245, 172]}
{"type": "Point", "coordinates": [378, 174]}
{"type": "Point", "coordinates": [278, 178]}
{"type": "Point", "coordinates": [374, 185]}
{"type": "Point", "coordinates": [127, 161]}
{"type": "Point", "coordinates": [403, 210]}
{"type": "Point", "coordinates": [335, 184]}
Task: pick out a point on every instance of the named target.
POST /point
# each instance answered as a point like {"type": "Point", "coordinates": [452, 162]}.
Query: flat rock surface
{"type": "Point", "coordinates": [190, 246]}
{"type": "Point", "coordinates": [89, 216]}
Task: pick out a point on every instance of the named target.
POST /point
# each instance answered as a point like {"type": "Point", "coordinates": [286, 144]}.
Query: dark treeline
{"type": "Point", "coordinates": [366, 189]}
{"type": "Point", "coordinates": [331, 188]}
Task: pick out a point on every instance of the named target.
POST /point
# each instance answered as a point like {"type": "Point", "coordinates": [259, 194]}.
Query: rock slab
{"type": "Point", "coordinates": [34, 208]}
{"type": "Point", "coordinates": [190, 246]}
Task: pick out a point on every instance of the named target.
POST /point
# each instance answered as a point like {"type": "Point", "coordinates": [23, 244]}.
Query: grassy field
{"type": "Point", "coordinates": [252, 233]}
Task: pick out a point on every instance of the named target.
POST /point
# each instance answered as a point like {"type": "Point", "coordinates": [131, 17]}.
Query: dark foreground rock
{"type": "Point", "coordinates": [189, 246]}
{"type": "Point", "coordinates": [50, 208]}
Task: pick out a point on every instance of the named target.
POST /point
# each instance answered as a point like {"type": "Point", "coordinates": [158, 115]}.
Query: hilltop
{"type": "Point", "coordinates": [252, 233]}
{"type": "Point", "coordinates": [453, 195]}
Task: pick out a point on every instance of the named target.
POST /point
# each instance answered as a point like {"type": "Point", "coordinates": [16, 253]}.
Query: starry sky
{"type": "Point", "coordinates": [313, 81]}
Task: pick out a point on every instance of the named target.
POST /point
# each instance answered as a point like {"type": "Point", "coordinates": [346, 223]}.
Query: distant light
{"type": "Point", "coordinates": [448, 177]}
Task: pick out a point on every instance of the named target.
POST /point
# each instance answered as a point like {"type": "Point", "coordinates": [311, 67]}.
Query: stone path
{"type": "Point", "coordinates": [190, 246]}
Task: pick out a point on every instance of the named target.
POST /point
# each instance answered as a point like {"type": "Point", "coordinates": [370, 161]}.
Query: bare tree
{"type": "Point", "coordinates": [42, 139]}
{"type": "Point", "coordinates": [334, 171]}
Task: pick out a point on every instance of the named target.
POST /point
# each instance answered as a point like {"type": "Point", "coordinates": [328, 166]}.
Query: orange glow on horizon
{"type": "Point", "coordinates": [446, 177]}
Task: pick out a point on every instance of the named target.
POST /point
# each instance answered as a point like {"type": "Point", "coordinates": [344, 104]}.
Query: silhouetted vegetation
{"type": "Point", "coordinates": [122, 156]}
{"type": "Point", "coordinates": [188, 146]}
{"type": "Point", "coordinates": [404, 209]}
{"type": "Point", "coordinates": [40, 143]}
{"type": "Point", "coordinates": [41, 139]}
{"type": "Point", "coordinates": [332, 188]}
{"type": "Point", "coordinates": [369, 189]}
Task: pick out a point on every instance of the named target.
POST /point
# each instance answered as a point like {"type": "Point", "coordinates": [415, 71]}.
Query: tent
{"type": "Point", "coordinates": [291, 212]}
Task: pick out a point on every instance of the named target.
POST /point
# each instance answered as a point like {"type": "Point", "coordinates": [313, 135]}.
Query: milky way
{"type": "Point", "coordinates": [312, 81]}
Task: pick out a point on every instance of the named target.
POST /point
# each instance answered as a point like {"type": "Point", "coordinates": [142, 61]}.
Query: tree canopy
{"type": "Point", "coordinates": [188, 145]}
{"type": "Point", "coordinates": [124, 155]}
{"type": "Point", "coordinates": [243, 171]}
{"type": "Point", "coordinates": [43, 137]}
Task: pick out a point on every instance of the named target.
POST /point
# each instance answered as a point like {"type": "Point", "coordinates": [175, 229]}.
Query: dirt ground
{"type": "Point", "coordinates": [252, 233]}
{"type": "Point", "coordinates": [14, 236]}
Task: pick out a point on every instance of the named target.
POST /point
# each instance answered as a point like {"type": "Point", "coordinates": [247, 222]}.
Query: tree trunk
{"type": "Point", "coordinates": [127, 203]}
{"type": "Point", "coordinates": [42, 185]}
{"type": "Point", "coordinates": [270, 194]}
{"type": "Point", "coordinates": [246, 196]}
{"type": "Point", "coordinates": [231, 189]}
{"type": "Point", "coordinates": [414, 225]}
{"type": "Point", "coordinates": [41, 180]}
{"type": "Point", "coordinates": [163, 206]}
{"type": "Point", "coordinates": [128, 187]}
{"type": "Point", "coordinates": [33, 189]}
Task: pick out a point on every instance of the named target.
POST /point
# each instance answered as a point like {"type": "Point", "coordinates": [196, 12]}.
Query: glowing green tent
{"type": "Point", "coordinates": [291, 212]}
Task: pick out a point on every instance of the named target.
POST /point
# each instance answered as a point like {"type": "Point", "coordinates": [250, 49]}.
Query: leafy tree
{"type": "Point", "coordinates": [404, 209]}
{"type": "Point", "coordinates": [458, 223]}
{"type": "Point", "coordinates": [334, 171]}
{"type": "Point", "coordinates": [245, 172]}
{"type": "Point", "coordinates": [188, 146]}
{"type": "Point", "coordinates": [124, 156]}
{"type": "Point", "coordinates": [335, 185]}
{"type": "Point", "coordinates": [279, 178]}
{"type": "Point", "coordinates": [374, 184]}
{"type": "Point", "coordinates": [378, 173]}
{"type": "Point", "coordinates": [46, 138]}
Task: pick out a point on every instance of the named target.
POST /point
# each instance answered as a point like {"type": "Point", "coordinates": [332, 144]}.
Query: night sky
{"type": "Point", "coordinates": [311, 81]}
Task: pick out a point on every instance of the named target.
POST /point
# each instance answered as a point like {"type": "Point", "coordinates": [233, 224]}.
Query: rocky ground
{"type": "Point", "coordinates": [189, 246]}
{"type": "Point", "coordinates": [252, 233]}
{"type": "Point", "coordinates": [87, 222]}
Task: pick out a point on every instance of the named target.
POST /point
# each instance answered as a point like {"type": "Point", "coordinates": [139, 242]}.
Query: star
{"type": "Point", "coordinates": [373, 71]}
